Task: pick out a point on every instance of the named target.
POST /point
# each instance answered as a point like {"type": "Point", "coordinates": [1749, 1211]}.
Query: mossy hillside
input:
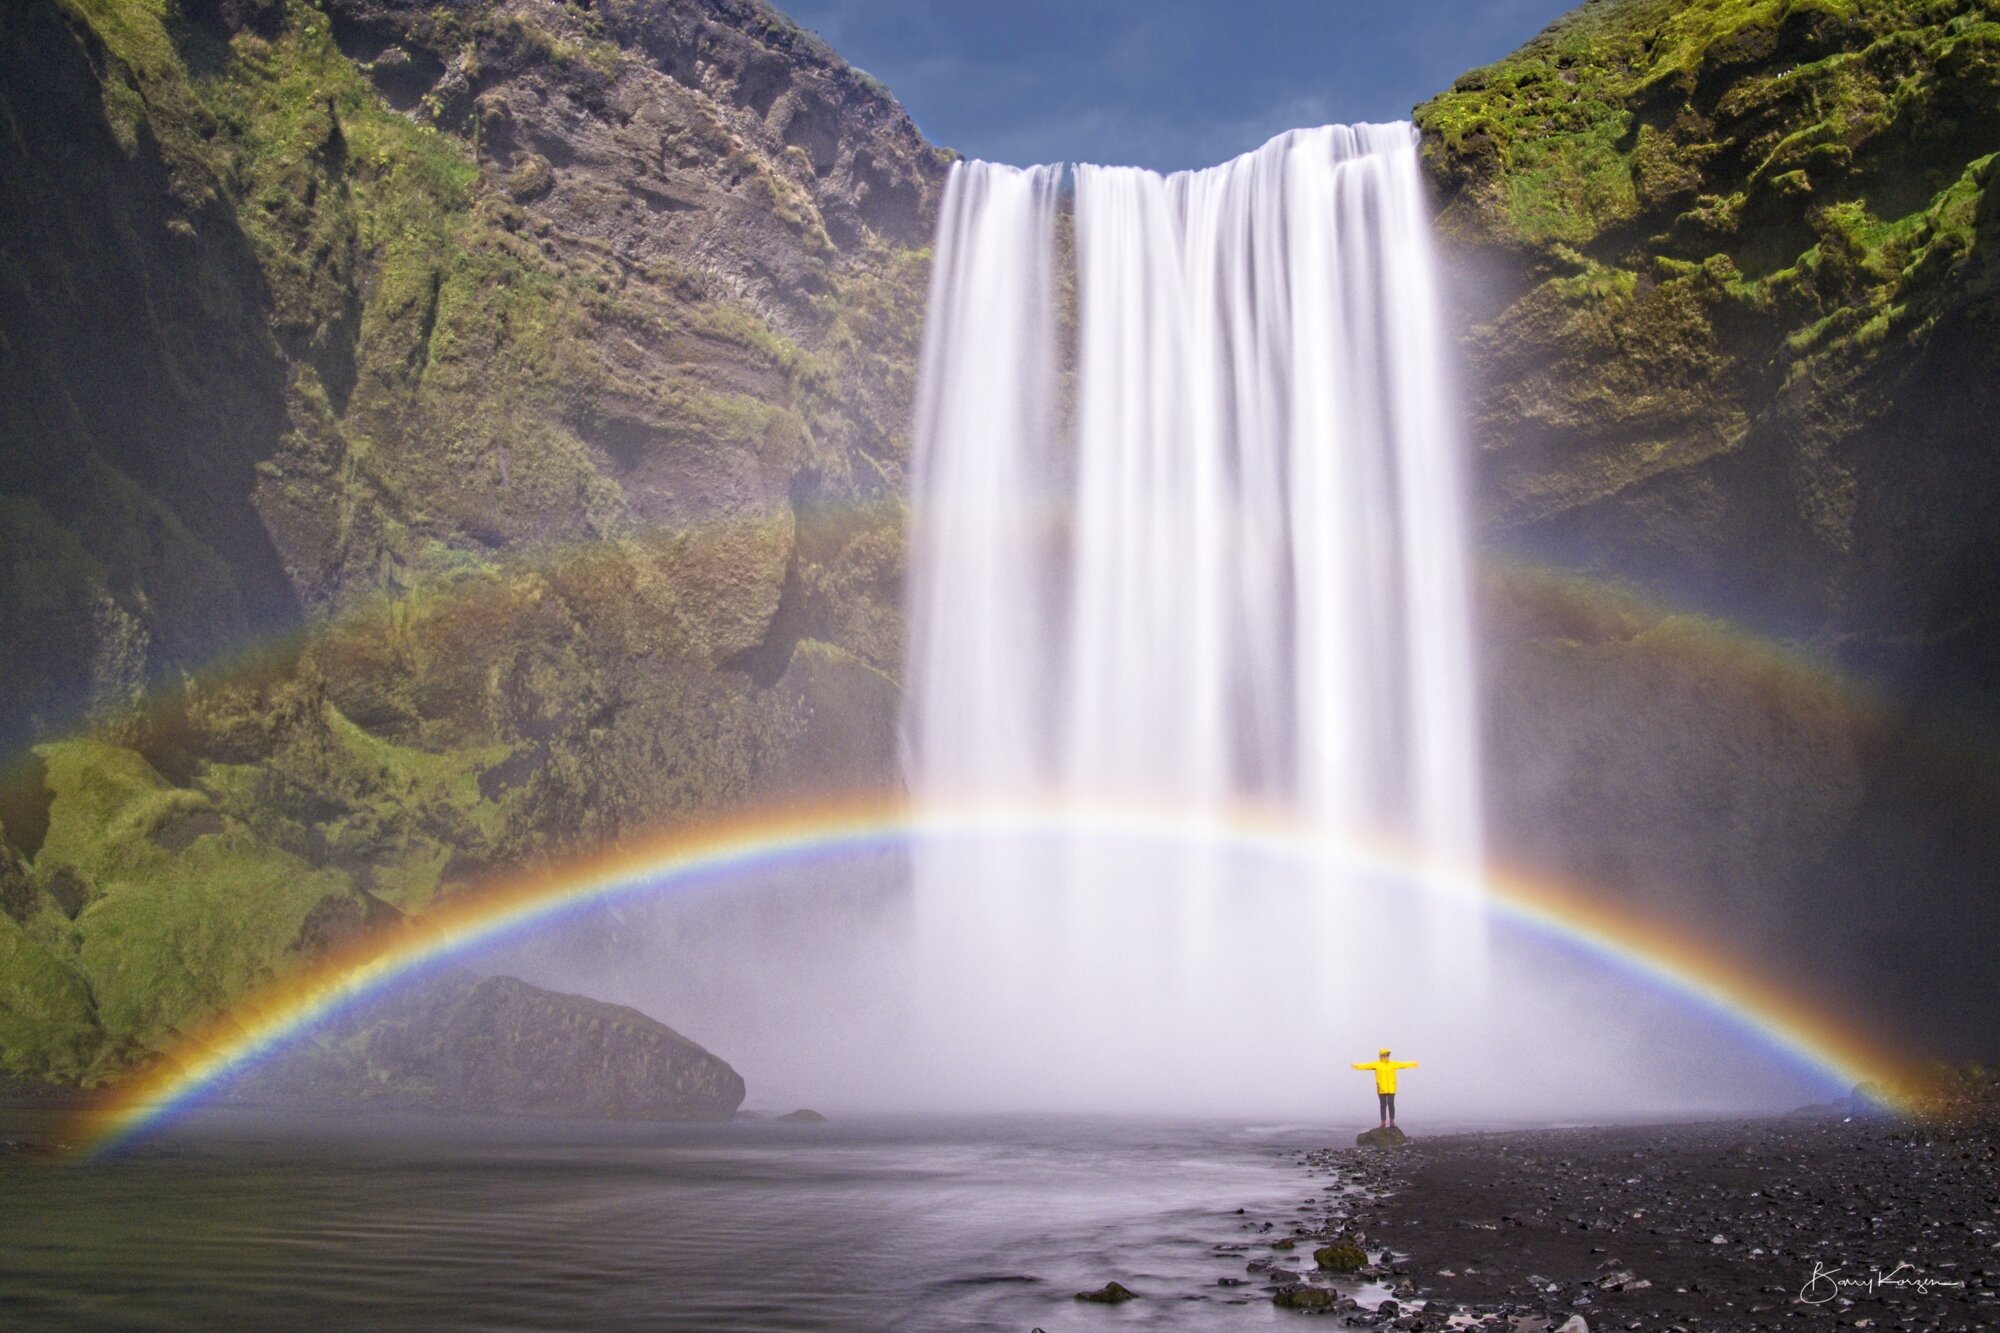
{"type": "Point", "coordinates": [184, 909]}
{"type": "Point", "coordinates": [568, 501]}
{"type": "Point", "coordinates": [465, 374]}
{"type": "Point", "coordinates": [1714, 213]}
{"type": "Point", "coordinates": [48, 1027]}
{"type": "Point", "coordinates": [289, 828]}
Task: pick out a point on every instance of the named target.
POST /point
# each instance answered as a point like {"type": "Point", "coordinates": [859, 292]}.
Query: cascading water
{"type": "Point", "coordinates": [1194, 538]}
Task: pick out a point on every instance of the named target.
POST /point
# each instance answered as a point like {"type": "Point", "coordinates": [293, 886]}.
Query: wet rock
{"type": "Point", "coordinates": [802, 1116]}
{"type": "Point", "coordinates": [1388, 1136]}
{"type": "Point", "coordinates": [1343, 1256]}
{"type": "Point", "coordinates": [1111, 1293]}
{"type": "Point", "coordinates": [1299, 1296]}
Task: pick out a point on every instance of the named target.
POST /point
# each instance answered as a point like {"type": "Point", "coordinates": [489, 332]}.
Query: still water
{"type": "Point", "coordinates": [251, 1220]}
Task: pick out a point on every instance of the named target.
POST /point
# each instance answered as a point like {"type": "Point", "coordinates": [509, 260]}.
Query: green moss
{"type": "Point", "coordinates": [185, 910]}
{"type": "Point", "coordinates": [48, 1027]}
{"type": "Point", "coordinates": [1343, 1256]}
{"type": "Point", "coordinates": [508, 659]}
{"type": "Point", "coordinates": [170, 944]}
{"type": "Point", "coordinates": [1716, 209]}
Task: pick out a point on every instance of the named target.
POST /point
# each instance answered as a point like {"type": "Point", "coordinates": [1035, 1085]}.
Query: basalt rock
{"type": "Point", "coordinates": [462, 1042]}
{"type": "Point", "coordinates": [1308, 1299]}
{"type": "Point", "coordinates": [1727, 279]}
{"type": "Point", "coordinates": [527, 386]}
{"type": "Point", "coordinates": [1341, 1257]}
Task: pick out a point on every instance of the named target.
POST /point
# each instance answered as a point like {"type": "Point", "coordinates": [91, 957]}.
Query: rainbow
{"type": "Point", "coordinates": [688, 858]}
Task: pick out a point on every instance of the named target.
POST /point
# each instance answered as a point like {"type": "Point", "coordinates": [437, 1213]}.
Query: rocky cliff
{"type": "Point", "coordinates": [439, 438]}
{"type": "Point", "coordinates": [436, 439]}
{"type": "Point", "coordinates": [1729, 281]}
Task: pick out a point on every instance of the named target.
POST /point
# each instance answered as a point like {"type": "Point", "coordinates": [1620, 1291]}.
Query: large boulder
{"type": "Point", "coordinates": [462, 1042]}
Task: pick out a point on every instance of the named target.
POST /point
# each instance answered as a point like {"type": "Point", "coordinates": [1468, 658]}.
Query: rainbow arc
{"type": "Point", "coordinates": [740, 848]}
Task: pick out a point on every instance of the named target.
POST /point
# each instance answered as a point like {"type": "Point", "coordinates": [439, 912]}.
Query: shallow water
{"type": "Point", "coordinates": [250, 1220]}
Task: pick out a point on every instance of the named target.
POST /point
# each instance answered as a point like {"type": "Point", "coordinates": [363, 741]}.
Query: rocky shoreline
{"type": "Point", "coordinates": [1736, 1225]}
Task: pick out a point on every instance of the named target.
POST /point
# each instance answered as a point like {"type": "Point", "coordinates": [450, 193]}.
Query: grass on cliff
{"type": "Point", "coordinates": [1842, 137]}
{"type": "Point", "coordinates": [509, 663]}
{"type": "Point", "coordinates": [1721, 210]}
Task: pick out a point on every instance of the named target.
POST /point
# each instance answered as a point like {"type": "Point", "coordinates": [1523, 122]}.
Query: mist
{"type": "Point", "coordinates": [813, 984]}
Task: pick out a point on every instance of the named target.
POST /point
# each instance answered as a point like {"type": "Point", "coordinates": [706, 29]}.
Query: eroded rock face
{"type": "Point", "coordinates": [540, 372]}
{"type": "Point", "coordinates": [1728, 284]}
{"type": "Point", "coordinates": [1729, 278]}
{"type": "Point", "coordinates": [495, 1045]}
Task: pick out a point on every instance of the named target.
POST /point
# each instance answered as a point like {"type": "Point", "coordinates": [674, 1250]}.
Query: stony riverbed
{"type": "Point", "coordinates": [1749, 1225]}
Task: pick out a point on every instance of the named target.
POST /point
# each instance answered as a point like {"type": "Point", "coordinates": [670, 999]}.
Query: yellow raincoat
{"type": "Point", "coordinates": [1385, 1072]}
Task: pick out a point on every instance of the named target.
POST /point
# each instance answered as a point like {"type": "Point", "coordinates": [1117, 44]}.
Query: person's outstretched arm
{"type": "Point", "coordinates": [1406, 1064]}
{"type": "Point", "coordinates": [1359, 1065]}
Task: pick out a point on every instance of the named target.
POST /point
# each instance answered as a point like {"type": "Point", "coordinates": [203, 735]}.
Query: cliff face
{"type": "Point", "coordinates": [436, 438]}
{"type": "Point", "coordinates": [1732, 272]}
{"type": "Point", "coordinates": [1729, 280]}
{"type": "Point", "coordinates": [441, 438]}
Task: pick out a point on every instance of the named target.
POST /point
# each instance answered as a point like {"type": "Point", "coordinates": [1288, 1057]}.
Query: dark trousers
{"type": "Point", "coordinates": [1388, 1100]}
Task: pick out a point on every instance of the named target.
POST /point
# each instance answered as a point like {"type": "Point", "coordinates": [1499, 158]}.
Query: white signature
{"type": "Point", "coordinates": [1827, 1283]}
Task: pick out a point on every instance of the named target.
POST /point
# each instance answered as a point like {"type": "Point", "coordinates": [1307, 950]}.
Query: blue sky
{"type": "Point", "coordinates": [1160, 83]}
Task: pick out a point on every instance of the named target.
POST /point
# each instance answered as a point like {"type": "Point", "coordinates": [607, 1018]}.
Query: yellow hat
{"type": "Point", "coordinates": [1385, 1050]}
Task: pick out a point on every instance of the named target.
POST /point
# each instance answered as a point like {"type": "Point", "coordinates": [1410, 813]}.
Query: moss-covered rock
{"type": "Point", "coordinates": [48, 1026]}
{"type": "Point", "coordinates": [1343, 1256]}
{"type": "Point", "coordinates": [446, 439]}
{"type": "Point", "coordinates": [1728, 275]}
{"type": "Point", "coordinates": [1728, 280]}
{"type": "Point", "coordinates": [1307, 1299]}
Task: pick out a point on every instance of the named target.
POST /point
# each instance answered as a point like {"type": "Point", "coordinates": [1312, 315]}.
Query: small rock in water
{"type": "Point", "coordinates": [802, 1116]}
{"type": "Point", "coordinates": [1111, 1293]}
{"type": "Point", "coordinates": [1574, 1324]}
{"type": "Point", "coordinates": [1298, 1296]}
{"type": "Point", "coordinates": [1343, 1256]}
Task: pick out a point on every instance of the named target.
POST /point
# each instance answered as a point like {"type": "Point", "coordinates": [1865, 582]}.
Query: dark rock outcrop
{"type": "Point", "coordinates": [524, 387]}
{"type": "Point", "coordinates": [1343, 1256]}
{"type": "Point", "coordinates": [1728, 284]}
{"type": "Point", "coordinates": [461, 1042]}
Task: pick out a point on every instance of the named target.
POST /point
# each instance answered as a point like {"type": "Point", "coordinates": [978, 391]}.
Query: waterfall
{"type": "Point", "coordinates": [1188, 531]}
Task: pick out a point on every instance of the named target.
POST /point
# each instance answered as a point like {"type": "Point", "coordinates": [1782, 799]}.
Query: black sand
{"type": "Point", "coordinates": [1692, 1226]}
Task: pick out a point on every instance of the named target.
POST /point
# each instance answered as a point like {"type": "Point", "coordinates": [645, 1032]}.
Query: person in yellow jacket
{"type": "Point", "coordinates": [1384, 1070]}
